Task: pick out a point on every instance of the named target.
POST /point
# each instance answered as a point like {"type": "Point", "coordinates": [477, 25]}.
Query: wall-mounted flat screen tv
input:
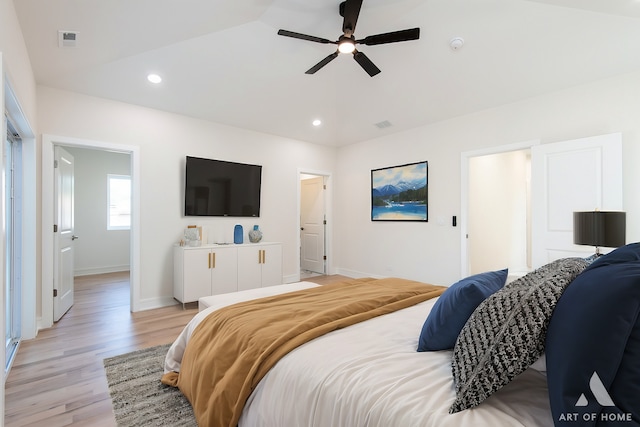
{"type": "Point", "coordinates": [220, 188]}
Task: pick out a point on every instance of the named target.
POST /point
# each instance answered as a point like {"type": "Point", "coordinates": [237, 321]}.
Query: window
{"type": "Point", "coordinates": [119, 202]}
{"type": "Point", "coordinates": [12, 174]}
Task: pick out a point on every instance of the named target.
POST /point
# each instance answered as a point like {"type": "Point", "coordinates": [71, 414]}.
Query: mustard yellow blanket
{"type": "Point", "coordinates": [234, 347]}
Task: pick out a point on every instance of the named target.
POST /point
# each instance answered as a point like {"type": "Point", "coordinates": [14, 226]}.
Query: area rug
{"type": "Point", "coordinates": [139, 398]}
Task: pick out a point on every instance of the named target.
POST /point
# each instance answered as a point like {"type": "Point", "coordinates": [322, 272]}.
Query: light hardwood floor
{"type": "Point", "coordinates": [58, 378]}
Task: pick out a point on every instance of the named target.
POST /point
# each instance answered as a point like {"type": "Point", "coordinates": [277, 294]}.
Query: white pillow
{"type": "Point", "coordinates": [540, 365]}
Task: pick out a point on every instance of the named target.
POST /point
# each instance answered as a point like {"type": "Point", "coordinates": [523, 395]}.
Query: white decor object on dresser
{"type": "Point", "coordinates": [218, 269]}
{"type": "Point", "coordinates": [259, 265]}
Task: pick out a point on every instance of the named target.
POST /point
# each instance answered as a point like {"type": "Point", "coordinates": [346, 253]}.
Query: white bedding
{"type": "Point", "coordinates": [370, 374]}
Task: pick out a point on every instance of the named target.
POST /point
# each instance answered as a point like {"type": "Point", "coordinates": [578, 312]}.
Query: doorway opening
{"type": "Point", "coordinates": [500, 212]}
{"type": "Point", "coordinates": [496, 210]}
{"type": "Point", "coordinates": [313, 225]}
{"type": "Point", "coordinates": [102, 214]}
{"type": "Point", "coordinates": [100, 150]}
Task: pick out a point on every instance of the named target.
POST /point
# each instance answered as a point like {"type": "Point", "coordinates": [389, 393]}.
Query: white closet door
{"type": "Point", "coordinates": [312, 224]}
{"type": "Point", "coordinates": [578, 175]}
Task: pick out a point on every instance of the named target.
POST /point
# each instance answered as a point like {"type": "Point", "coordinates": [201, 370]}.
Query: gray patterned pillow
{"type": "Point", "coordinates": [506, 333]}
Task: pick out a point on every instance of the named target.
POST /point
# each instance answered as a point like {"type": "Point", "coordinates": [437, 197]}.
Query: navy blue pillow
{"type": "Point", "coordinates": [593, 348]}
{"type": "Point", "coordinates": [454, 307]}
{"type": "Point", "coordinates": [630, 252]}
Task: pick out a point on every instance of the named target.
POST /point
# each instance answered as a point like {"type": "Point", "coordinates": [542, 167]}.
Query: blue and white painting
{"type": "Point", "coordinates": [399, 193]}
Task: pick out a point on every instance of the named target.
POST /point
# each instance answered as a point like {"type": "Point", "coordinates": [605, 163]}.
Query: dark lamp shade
{"type": "Point", "coordinates": [599, 228]}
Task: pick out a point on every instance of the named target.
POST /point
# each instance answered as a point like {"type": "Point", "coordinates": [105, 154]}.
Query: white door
{"type": "Point", "coordinates": [312, 224]}
{"type": "Point", "coordinates": [64, 236]}
{"type": "Point", "coordinates": [578, 175]}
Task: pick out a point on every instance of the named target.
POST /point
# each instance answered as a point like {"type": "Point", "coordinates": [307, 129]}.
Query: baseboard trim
{"type": "Point", "coordinates": [292, 278]}
{"type": "Point", "coordinates": [101, 270]}
{"type": "Point", "coordinates": [152, 303]}
{"type": "Point", "coordinates": [354, 274]}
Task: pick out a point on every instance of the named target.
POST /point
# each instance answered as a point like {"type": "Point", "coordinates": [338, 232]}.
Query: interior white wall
{"type": "Point", "coordinates": [97, 250]}
{"type": "Point", "coordinates": [498, 211]}
{"type": "Point", "coordinates": [431, 252]}
{"type": "Point", "coordinates": [416, 250]}
{"type": "Point", "coordinates": [164, 140]}
{"type": "Point", "coordinates": [16, 64]}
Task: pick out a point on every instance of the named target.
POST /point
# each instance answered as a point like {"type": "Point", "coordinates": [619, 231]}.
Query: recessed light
{"type": "Point", "coordinates": [316, 122]}
{"type": "Point", "coordinates": [154, 78]}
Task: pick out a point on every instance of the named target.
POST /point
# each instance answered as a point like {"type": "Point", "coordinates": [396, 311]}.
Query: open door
{"type": "Point", "coordinates": [63, 233]}
{"type": "Point", "coordinates": [578, 175]}
{"type": "Point", "coordinates": [312, 239]}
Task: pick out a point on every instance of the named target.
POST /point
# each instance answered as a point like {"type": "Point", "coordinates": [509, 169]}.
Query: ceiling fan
{"type": "Point", "coordinates": [349, 10]}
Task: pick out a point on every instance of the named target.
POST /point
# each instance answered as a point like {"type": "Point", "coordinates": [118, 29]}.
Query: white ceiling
{"type": "Point", "coordinates": [221, 60]}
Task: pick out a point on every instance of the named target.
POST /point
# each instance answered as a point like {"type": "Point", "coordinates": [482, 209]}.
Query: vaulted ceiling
{"type": "Point", "coordinates": [222, 60]}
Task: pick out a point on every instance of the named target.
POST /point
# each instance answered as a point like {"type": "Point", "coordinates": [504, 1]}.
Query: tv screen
{"type": "Point", "coordinates": [220, 188]}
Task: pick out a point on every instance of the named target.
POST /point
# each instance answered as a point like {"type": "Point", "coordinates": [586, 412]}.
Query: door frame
{"type": "Point", "coordinates": [48, 143]}
{"type": "Point", "coordinates": [328, 207]}
{"type": "Point", "coordinates": [465, 158]}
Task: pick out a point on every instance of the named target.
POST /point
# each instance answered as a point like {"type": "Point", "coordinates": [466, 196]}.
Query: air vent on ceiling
{"type": "Point", "coordinates": [67, 38]}
{"type": "Point", "coordinates": [384, 124]}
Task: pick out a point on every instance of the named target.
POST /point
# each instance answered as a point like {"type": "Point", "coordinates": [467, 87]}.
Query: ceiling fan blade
{"type": "Point", "coordinates": [365, 63]}
{"type": "Point", "coordinates": [322, 63]}
{"type": "Point", "coordinates": [350, 10]}
{"type": "Point", "coordinates": [304, 37]}
{"type": "Point", "coordinates": [393, 37]}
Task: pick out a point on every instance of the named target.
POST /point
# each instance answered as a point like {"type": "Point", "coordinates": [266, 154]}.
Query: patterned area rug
{"type": "Point", "coordinates": [139, 398]}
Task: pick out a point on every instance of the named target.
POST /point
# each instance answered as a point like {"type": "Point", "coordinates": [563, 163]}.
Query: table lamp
{"type": "Point", "coordinates": [599, 229]}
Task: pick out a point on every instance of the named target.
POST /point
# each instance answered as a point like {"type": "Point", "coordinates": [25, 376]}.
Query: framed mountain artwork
{"type": "Point", "coordinates": [400, 193]}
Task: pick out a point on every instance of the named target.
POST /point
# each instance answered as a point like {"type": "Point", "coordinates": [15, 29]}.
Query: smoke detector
{"type": "Point", "coordinates": [67, 38]}
{"type": "Point", "coordinates": [456, 43]}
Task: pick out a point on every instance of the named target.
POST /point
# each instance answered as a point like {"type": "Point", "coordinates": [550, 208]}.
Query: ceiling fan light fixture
{"type": "Point", "coordinates": [350, 10]}
{"type": "Point", "coordinates": [346, 45]}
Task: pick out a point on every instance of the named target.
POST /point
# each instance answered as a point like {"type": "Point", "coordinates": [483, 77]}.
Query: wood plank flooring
{"type": "Point", "coordinates": [58, 378]}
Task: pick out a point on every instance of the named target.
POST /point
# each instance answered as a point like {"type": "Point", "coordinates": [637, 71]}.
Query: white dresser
{"type": "Point", "coordinates": [217, 269]}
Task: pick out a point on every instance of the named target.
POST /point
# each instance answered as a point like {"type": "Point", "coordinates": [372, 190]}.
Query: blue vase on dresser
{"type": "Point", "coordinates": [237, 234]}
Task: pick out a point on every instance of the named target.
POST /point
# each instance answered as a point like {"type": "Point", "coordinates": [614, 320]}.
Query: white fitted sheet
{"type": "Point", "coordinates": [370, 374]}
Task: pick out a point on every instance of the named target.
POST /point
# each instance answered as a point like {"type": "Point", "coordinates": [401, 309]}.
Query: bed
{"type": "Point", "coordinates": [370, 374]}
